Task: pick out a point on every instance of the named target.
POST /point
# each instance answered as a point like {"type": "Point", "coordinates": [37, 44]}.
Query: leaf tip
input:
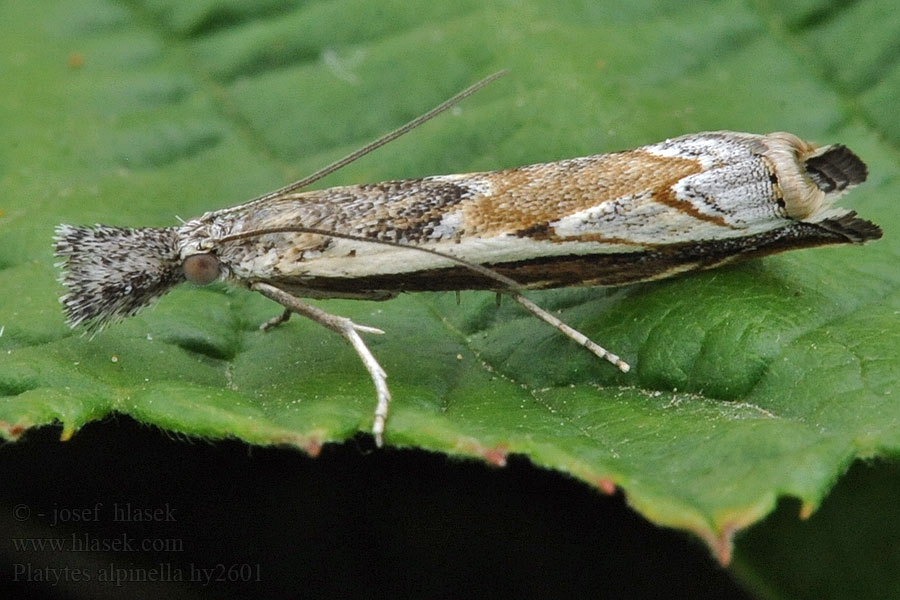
{"type": "Point", "coordinates": [494, 455]}
{"type": "Point", "coordinates": [606, 485]}
{"type": "Point", "coordinates": [806, 510]}
{"type": "Point", "coordinates": [12, 431]}
{"type": "Point", "coordinates": [67, 432]}
{"type": "Point", "coordinates": [311, 444]}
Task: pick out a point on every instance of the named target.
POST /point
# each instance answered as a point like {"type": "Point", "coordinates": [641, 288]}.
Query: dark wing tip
{"type": "Point", "coordinates": [855, 230]}
{"type": "Point", "coordinates": [836, 168]}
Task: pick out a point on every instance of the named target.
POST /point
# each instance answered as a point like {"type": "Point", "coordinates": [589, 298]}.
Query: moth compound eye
{"type": "Point", "coordinates": [201, 269]}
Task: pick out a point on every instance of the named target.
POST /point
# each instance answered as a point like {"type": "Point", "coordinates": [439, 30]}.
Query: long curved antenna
{"type": "Point", "coordinates": [510, 286]}
{"type": "Point", "coordinates": [385, 139]}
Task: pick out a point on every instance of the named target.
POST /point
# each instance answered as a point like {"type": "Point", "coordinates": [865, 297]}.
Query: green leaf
{"type": "Point", "coordinates": [751, 383]}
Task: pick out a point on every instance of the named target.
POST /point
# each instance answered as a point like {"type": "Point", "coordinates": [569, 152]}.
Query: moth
{"type": "Point", "coordinates": [693, 202]}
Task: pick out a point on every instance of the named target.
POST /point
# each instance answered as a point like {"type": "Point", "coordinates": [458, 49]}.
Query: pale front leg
{"type": "Point", "coordinates": [350, 332]}
{"type": "Point", "coordinates": [276, 321]}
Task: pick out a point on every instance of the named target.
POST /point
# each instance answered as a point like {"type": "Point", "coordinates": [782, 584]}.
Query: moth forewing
{"type": "Point", "coordinates": [693, 202]}
{"type": "Point", "coordinates": [688, 203]}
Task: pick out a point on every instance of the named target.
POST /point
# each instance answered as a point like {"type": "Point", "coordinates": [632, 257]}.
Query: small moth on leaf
{"type": "Point", "coordinates": [693, 202]}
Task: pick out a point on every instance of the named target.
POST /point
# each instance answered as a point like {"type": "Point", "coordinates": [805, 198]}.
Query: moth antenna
{"type": "Point", "coordinates": [509, 284]}
{"type": "Point", "coordinates": [385, 139]}
{"type": "Point", "coordinates": [511, 287]}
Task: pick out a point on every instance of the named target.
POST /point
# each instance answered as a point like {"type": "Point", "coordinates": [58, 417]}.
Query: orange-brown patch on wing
{"type": "Point", "coordinates": [667, 196]}
{"type": "Point", "coordinates": [536, 195]}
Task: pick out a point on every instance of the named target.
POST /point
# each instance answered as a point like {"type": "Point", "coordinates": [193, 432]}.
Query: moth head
{"type": "Point", "coordinates": [201, 269]}
{"type": "Point", "coordinates": [112, 272]}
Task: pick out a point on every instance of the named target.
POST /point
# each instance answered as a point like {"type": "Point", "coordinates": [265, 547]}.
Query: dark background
{"type": "Point", "coordinates": [352, 522]}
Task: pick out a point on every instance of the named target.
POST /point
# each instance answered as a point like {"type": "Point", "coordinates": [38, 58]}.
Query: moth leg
{"type": "Point", "coordinates": [350, 332]}
{"type": "Point", "coordinates": [570, 332]}
{"type": "Point", "coordinates": [276, 321]}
